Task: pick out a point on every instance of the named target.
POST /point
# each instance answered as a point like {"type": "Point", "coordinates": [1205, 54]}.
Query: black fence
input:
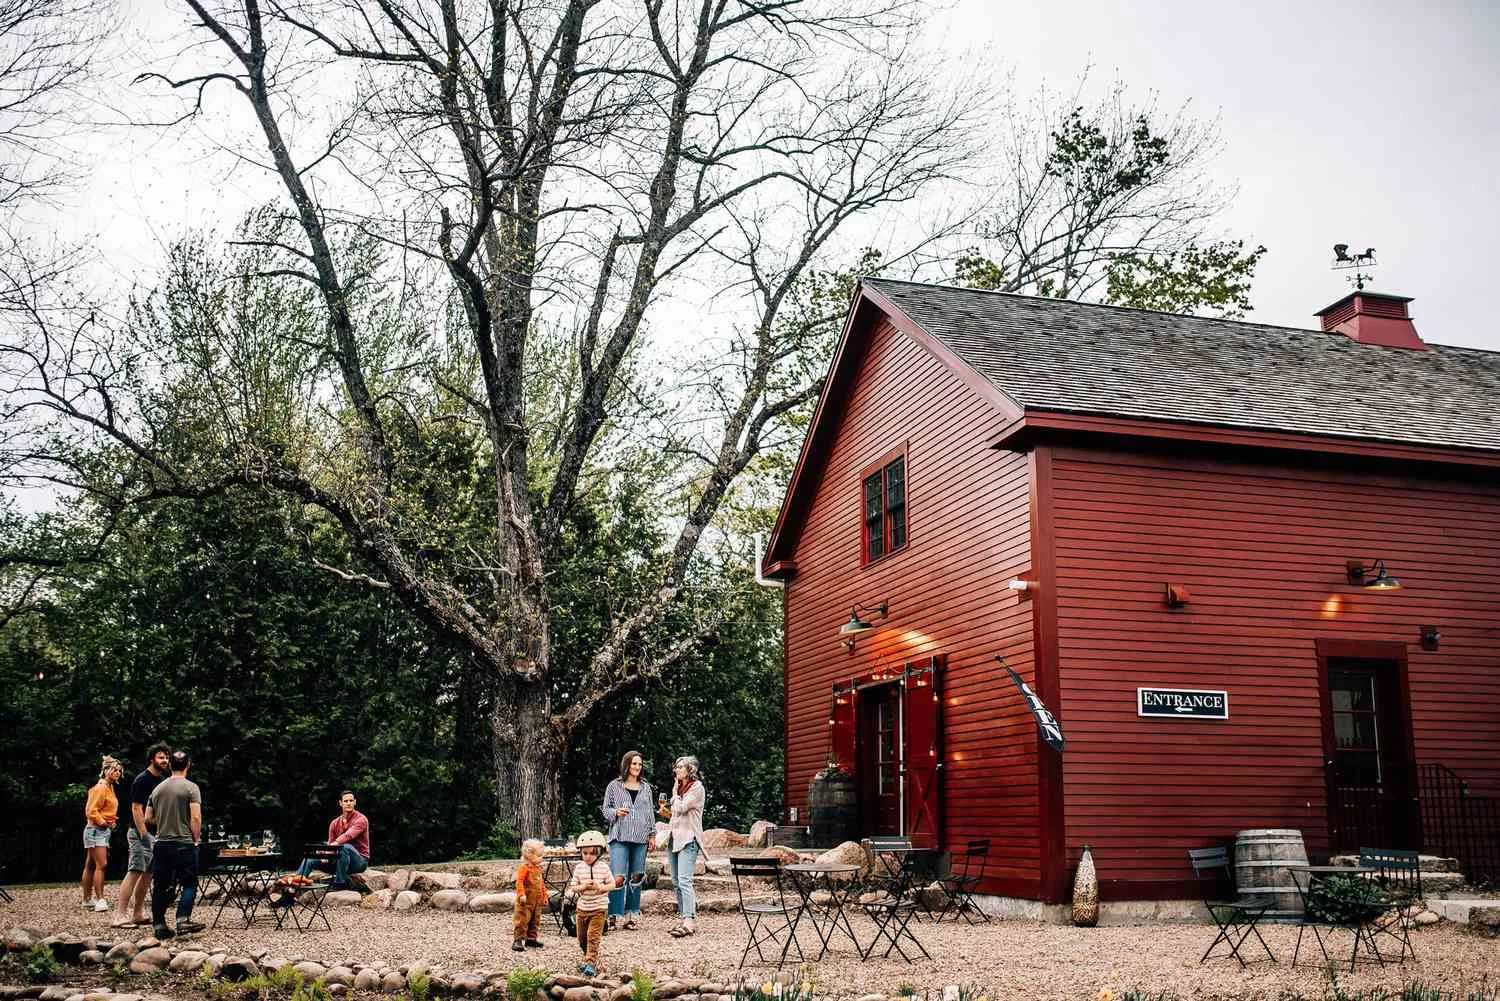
{"type": "Point", "coordinates": [1460, 825]}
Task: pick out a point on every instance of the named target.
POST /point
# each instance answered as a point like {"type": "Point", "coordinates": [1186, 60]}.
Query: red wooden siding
{"type": "Point", "coordinates": [1262, 549]}
{"type": "Point", "coordinates": [968, 533]}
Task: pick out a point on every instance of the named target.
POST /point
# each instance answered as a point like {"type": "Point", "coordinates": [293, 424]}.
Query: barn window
{"type": "Point", "coordinates": [883, 497]}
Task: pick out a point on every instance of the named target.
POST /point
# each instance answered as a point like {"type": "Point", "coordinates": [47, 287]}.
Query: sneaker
{"type": "Point", "coordinates": [101, 905]}
{"type": "Point", "coordinates": [88, 905]}
{"type": "Point", "coordinates": [518, 945]}
{"type": "Point", "coordinates": [587, 969]}
{"type": "Point", "coordinates": [163, 933]}
{"type": "Point", "coordinates": [190, 927]}
{"type": "Point", "coordinates": [532, 943]}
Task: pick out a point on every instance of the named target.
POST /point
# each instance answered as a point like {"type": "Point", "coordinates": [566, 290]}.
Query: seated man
{"type": "Point", "coordinates": [350, 830]}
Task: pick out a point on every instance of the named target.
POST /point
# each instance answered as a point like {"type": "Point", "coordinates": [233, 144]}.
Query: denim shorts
{"type": "Point", "coordinates": [140, 850]}
{"type": "Point", "coordinates": [96, 837]}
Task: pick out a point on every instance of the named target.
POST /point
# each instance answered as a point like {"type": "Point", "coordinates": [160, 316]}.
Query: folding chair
{"type": "Point", "coordinates": [1400, 876]}
{"type": "Point", "coordinates": [893, 914]}
{"type": "Point", "coordinates": [6, 896]}
{"type": "Point", "coordinates": [962, 882]}
{"type": "Point", "coordinates": [767, 921]}
{"type": "Point", "coordinates": [305, 905]}
{"type": "Point", "coordinates": [1233, 917]}
{"type": "Point", "coordinates": [923, 869]}
{"type": "Point", "coordinates": [883, 875]}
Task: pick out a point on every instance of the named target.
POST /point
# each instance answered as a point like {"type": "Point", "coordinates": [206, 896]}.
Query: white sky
{"type": "Point", "coordinates": [1373, 124]}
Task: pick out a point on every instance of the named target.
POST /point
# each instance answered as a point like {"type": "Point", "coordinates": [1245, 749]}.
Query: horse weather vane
{"type": "Point", "coordinates": [1360, 262]}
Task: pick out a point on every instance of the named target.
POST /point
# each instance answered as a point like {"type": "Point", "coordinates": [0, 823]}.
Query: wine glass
{"type": "Point", "coordinates": [268, 840]}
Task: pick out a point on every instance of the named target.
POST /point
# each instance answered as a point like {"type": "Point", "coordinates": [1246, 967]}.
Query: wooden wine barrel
{"type": "Point", "coordinates": [833, 808]}
{"type": "Point", "coordinates": [1261, 858]}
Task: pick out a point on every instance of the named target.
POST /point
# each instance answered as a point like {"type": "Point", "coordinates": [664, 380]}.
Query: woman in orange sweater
{"type": "Point", "coordinates": [99, 813]}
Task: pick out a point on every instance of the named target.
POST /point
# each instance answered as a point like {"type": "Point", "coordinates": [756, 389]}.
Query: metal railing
{"type": "Point", "coordinates": [1458, 824]}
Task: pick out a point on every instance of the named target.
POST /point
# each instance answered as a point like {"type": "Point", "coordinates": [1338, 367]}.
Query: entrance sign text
{"type": "Point", "coordinates": [1192, 703]}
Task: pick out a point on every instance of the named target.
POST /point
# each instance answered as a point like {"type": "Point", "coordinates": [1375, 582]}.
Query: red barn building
{"type": "Point", "coordinates": [1193, 506]}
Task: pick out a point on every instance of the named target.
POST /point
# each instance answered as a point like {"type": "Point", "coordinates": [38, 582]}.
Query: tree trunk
{"type": "Point", "coordinates": [527, 758]}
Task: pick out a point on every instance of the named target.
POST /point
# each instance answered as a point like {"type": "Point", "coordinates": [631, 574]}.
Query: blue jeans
{"type": "Point", "coordinates": [626, 858]}
{"type": "Point", "coordinates": [683, 863]}
{"type": "Point", "coordinates": [173, 862]}
{"type": "Point", "coordinates": [350, 862]}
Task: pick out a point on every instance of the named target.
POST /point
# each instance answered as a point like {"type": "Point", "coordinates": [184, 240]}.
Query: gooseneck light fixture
{"type": "Point", "coordinates": [856, 625]}
{"type": "Point", "coordinates": [1361, 575]}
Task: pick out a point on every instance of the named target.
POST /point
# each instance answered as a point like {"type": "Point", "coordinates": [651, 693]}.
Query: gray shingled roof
{"type": "Point", "coordinates": [1051, 354]}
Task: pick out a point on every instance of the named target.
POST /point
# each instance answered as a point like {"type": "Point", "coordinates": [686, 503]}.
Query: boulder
{"type": "Point", "coordinates": [273, 963]}
{"type": "Point", "coordinates": [760, 835]}
{"type": "Point", "coordinates": [432, 882]}
{"type": "Point", "coordinates": [493, 903]}
{"type": "Point", "coordinates": [91, 957]}
{"type": "Point", "coordinates": [721, 838]}
{"type": "Point", "coordinates": [335, 990]}
{"type": "Point", "coordinates": [188, 961]}
{"type": "Point", "coordinates": [343, 898]}
{"type": "Point", "coordinates": [237, 968]}
{"type": "Point", "coordinates": [375, 879]}
{"type": "Point", "coordinates": [1427, 918]}
{"type": "Point", "coordinates": [450, 900]}
{"type": "Point", "coordinates": [621, 993]}
{"type": "Point", "coordinates": [484, 882]}
{"type": "Point", "coordinates": [467, 983]}
{"type": "Point", "coordinates": [718, 866]}
{"type": "Point", "coordinates": [1484, 921]}
{"type": "Point", "coordinates": [102, 994]}
{"type": "Point", "coordinates": [152, 960]}
{"type": "Point", "coordinates": [57, 992]}
{"type": "Point", "coordinates": [848, 853]}
{"type": "Point", "coordinates": [121, 952]}
{"type": "Point", "coordinates": [308, 970]}
{"type": "Point", "coordinates": [21, 939]}
{"type": "Point", "coordinates": [406, 900]}
{"type": "Point", "coordinates": [379, 900]}
{"type": "Point", "coordinates": [367, 980]}
{"type": "Point", "coordinates": [340, 975]}
{"type": "Point", "coordinates": [392, 982]}
{"type": "Point", "coordinates": [787, 855]}
{"type": "Point", "coordinates": [578, 994]}
{"type": "Point", "coordinates": [568, 981]}
{"type": "Point", "coordinates": [65, 948]}
{"type": "Point", "coordinates": [398, 880]}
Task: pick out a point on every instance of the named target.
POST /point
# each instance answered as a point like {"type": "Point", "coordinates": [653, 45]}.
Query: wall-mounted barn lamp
{"type": "Point", "coordinates": [856, 625]}
{"type": "Point", "coordinates": [1381, 581]}
{"type": "Point", "coordinates": [1176, 596]}
{"type": "Point", "coordinates": [1429, 637]}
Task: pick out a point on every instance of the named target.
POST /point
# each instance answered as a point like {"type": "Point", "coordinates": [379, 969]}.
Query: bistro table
{"type": "Point", "coordinates": [1360, 923]}
{"type": "Point", "coordinates": [807, 878]}
{"type": "Point", "coordinates": [236, 875]}
{"type": "Point", "coordinates": [557, 871]}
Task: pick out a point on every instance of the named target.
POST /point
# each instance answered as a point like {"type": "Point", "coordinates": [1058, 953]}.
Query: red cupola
{"type": "Point", "coordinates": [1373, 318]}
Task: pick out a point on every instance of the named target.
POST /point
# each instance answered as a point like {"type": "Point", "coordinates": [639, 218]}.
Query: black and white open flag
{"type": "Point", "coordinates": [1045, 722]}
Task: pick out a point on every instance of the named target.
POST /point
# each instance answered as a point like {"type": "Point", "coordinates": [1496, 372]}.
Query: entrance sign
{"type": "Point", "coordinates": [1182, 703]}
{"type": "Point", "coordinates": [1050, 729]}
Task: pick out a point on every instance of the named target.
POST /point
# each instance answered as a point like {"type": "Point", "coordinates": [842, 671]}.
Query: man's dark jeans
{"type": "Point", "coordinates": [350, 863]}
{"type": "Point", "coordinates": [173, 863]}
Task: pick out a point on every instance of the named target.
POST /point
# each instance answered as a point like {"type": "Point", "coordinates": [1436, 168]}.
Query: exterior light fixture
{"type": "Point", "coordinates": [1381, 581]}
{"type": "Point", "coordinates": [1019, 584]}
{"type": "Point", "coordinates": [857, 625]}
{"type": "Point", "coordinates": [1176, 596]}
{"type": "Point", "coordinates": [1430, 637]}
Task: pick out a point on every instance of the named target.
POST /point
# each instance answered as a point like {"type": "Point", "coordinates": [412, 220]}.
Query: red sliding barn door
{"type": "Point", "coordinates": [923, 751]}
{"type": "Point", "coordinates": [841, 728]}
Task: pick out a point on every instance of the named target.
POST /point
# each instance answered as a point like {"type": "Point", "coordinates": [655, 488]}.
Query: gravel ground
{"type": "Point", "coordinates": [1011, 959]}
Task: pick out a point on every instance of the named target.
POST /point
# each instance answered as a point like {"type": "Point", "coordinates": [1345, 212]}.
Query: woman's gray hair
{"type": "Point", "coordinates": [690, 763]}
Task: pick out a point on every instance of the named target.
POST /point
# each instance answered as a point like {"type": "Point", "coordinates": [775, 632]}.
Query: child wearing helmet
{"type": "Point", "coordinates": [592, 881]}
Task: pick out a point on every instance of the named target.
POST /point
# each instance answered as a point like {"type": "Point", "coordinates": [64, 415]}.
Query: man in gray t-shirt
{"type": "Point", "coordinates": [176, 808]}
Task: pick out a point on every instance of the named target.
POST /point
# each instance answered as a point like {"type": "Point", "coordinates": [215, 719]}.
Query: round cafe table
{"type": "Point", "coordinates": [827, 919]}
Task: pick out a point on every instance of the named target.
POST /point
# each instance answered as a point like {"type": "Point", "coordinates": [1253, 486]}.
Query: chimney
{"type": "Point", "coordinates": [1373, 318]}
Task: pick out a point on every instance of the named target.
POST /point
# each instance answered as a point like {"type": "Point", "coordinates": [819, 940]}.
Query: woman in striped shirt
{"type": "Point", "coordinates": [632, 833]}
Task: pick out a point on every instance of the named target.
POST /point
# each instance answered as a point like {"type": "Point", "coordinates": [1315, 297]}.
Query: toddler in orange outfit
{"type": "Point", "coordinates": [531, 897]}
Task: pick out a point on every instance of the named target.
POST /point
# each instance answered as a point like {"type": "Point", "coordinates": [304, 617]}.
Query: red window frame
{"type": "Point", "coordinates": [879, 472]}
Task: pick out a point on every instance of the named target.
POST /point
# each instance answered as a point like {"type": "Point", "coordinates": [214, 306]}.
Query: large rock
{"type": "Point", "coordinates": [493, 903]}
{"type": "Point", "coordinates": [450, 900]}
{"type": "Point", "coordinates": [432, 882]}
{"type": "Point", "coordinates": [308, 970]}
{"type": "Point", "coordinates": [848, 853]}
{"type": "Point", "coordinates": [152, 960]}
{"type": "Point", "coordinates": [579, 994]}
{"type": "Point", "coordinates": [188, 961]}
{"type": "Point", "coordinates": [1485, 921]}
{"type": "Point", "coordinates": [406, 900]}
{"type": "Point", "coordinates": [91, 957]}
{"type": "Point", "coordinates": [367, 980]}
{"type": "Point", "coordinates": [378, 900]}
{"type": "Point", "coordinates": [121, 952]}
{"type": "Point", "coordinates": [398, 880]}
{"type": "Point", "coordinates": [487, 881]}
{"type": "Point", "coordinates": [392, 982]}
{"type": "Point", "coordinates": [375, 879]}
{"type": "Point", "coordinates": [237, 968]}
{"type": "Point", "coordinates": [340, 975]}
{"type": "Point", "coordinates": [467, 983]}
{"type": "Point", "coordinates": [787, 855]}
{"type": "Point", "coordinates": [65, 948]}
{"type": "Point", "coordinates": [721, 838]}
{"type": "Point", "coordinates": [760, 834]}
{"type": "Point", "coordinates": [343, 898]}
{"type": "Point", "coordinates": [21, 939]}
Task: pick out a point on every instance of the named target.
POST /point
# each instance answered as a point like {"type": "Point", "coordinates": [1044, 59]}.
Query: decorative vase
{"type": "Point", "coordinates": [1086, 891]}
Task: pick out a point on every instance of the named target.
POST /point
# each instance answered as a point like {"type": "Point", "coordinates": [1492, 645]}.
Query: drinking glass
{"type": "Point", "coordinates": [268, 840]}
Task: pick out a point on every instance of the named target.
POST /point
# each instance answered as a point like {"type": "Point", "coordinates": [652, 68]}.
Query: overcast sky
{"type": "Point", "coordinates": [1372, 125]}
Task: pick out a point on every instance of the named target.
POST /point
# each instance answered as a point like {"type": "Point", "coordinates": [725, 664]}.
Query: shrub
{"type": "Point", "coordinates": [41, 965]}
{"type": "Point", "coordinates": [525, 983]}
{"type": "Point", "coordinates": [1344, 899]}
{"type": "Point", "coordinates": [641, 986]}
{"type": "Point", "coordinates": [420, 985]}
{"type": "Point", "coordinates": [501, 842]}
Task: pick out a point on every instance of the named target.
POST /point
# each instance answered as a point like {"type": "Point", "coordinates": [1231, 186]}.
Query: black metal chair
{"type": "Point", "coordinates": [893, 911]}
{"type": "Point", "coordinates": [1320, 913]}
{"type": "Point", "coordinates": [1235, 919]}
{"type": "Point", "coordinates": [1400, 876]}
{"type": "Point", "coordinates": [883, 874]}
{"type": "Point", "coordinates": [304, 904]}
{"type": "Point", "coordinates": [966, 870]}
{"type": "Point", "coordinates": [768, 921]}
